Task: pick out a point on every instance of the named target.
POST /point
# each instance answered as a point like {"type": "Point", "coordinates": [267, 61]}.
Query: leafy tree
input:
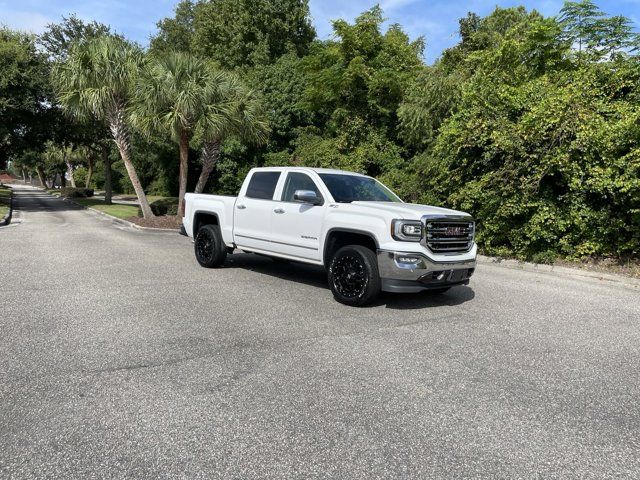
{"type": "Point", "coordinates": [432, 98]}
{"type": "Point", "coordinates": [88, 134]}
{"type": "Point", "coordinates": [354, 87]}
{"type": "Point", "coordinates": [238, 33]}
{"type": "Point", "coordinates": [282, 86]}
{"type": "Point", "coordinates": [58, 38]}
{"type": "Point", "coordinates": [542, 146]}
{"type": "Point", "coordinates": [24, 95]}
{"type": "Point", "coordinates": [362, 74]}
{"type": "Point", "coordinates": [97, 79]}
{"type": "Point", "coordinates": [581, 21]}
{"type": "Point", "coordinates": [596, 34]}
{"type": "Point", "coordinates": [176, 34]}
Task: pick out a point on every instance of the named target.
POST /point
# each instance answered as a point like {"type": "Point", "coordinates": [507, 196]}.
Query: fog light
{"type": "Point", "coordinates": [408, 260]}
{"type": "Point", "coordinates": [438, 275]}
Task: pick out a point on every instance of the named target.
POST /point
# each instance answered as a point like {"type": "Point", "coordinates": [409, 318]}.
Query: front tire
{"type": "Point", "coordinates": [209, 247]}
{"type": "Point", "coordinates": [353, 276]}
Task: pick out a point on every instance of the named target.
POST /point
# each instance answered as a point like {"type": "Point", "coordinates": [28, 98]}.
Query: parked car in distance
{"type": "Point", "coordinates": [358, 229]}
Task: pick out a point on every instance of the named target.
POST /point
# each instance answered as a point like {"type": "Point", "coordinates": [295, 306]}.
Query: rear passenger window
{"type": "Point", "coordinates": [262, 185]}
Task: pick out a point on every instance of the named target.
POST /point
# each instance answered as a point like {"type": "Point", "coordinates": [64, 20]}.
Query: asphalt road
{"type": "Point", "coordinates": [121, 357]}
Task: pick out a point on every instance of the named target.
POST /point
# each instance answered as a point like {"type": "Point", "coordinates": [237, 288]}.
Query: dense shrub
{"type": "Point", "coordinates": [5, 197]}
{"type": "Point", "coordinates": [542, 145]}
{"type": "Point", "coordinates": [163, 206]}
{"type": "Point", "coordinates": [70, 192]}
{"type": "Point", "coordinates": [80, 175]}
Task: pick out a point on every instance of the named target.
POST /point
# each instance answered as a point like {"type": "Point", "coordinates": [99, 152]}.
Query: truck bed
{"type": "Point", "coordinates": [220, 205]}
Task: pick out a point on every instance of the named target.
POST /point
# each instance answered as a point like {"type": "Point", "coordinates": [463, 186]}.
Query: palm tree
{"type": "Point", "coordinates": [97, 79]}
{"type": "Point", "coordinates": [169, 96]}
{"type": "Point", "coordinates": [231, 109]}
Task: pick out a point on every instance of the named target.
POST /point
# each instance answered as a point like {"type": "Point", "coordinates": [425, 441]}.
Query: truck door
{"type": "Point", "coordinates": [253, 211]}
{"type": "Point", "coordinates": [296, 226]}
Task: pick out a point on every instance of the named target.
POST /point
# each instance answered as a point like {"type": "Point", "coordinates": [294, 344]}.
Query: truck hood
{"type": "Point", "coordinates": [408, 210]}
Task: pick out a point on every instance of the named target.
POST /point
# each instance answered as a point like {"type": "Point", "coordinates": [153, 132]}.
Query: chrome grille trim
{"type": "Point", "coordinates": [437, 226]}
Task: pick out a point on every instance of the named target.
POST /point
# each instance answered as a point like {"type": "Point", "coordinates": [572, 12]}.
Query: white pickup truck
{"type": "Point", "coordinates": [360, 231]}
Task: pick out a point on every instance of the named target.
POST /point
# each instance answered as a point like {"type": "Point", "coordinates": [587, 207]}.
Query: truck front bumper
{"type": "Point", "coordinates": [415, 272]}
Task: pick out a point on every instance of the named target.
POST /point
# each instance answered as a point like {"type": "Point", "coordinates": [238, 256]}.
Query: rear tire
{"type": "Point", "coordinates": [209, 247]}
{"type": "Point", "coordinates": [353, 276]}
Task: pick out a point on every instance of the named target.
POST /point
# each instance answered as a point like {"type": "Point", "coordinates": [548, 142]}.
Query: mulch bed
{"type": "Point", "coordinates": [165, 221]}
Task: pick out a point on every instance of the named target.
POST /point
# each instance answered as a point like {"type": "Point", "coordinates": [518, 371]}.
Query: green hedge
{"type": "Point", "coordinates": [70, 192]}
{"type": "Point", "coordinates": [163, 206]}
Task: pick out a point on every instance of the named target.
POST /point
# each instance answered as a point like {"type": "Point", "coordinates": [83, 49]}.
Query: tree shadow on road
{"type": "Point", "coordinates": [317, 277]}
{"type": "Point", "coordinates": [33, 200]}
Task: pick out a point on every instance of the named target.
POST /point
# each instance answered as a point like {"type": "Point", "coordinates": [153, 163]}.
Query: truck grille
{"type": "Point", "coordinates": [448, 236]}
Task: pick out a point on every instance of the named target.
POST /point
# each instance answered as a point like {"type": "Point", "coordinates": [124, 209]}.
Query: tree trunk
{"type": "Point", "coordinates": [120, 134]}
{"type": "Point", "coordinates": [87, 182]}
{"type": "Point", "coordinates": [42, 177]}
{"type": "Point", "coordinates": [53, 181]}
{"type": "Point", "coordinates": [69, 170]}
{"type": "Point", "coordinates": [107, 175]}
{"type": "Point", "coordinates": [184, 165]}
{"type": "Point", "coordinates": [210, 155]}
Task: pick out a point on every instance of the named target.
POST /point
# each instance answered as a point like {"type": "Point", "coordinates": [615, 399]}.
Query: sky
{"type": "Point", "coordinates": [436, 20]}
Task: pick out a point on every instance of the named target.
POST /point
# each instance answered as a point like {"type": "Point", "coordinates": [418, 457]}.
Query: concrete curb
{"type": "Point", "coordinates": [558, 270]}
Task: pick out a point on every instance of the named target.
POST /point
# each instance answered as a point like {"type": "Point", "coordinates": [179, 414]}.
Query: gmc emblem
{"type": "Point", "coordinates": [454, 231]}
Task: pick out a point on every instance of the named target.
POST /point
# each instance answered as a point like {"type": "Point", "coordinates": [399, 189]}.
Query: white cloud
{"type": "Point", "coordinates": [390, 5]}
{"type": "Point", "coordinates": [26, 21]}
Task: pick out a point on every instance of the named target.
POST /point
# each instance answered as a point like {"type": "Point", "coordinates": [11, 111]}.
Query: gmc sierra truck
{"type": "Point", "coordinates": [358, 229]}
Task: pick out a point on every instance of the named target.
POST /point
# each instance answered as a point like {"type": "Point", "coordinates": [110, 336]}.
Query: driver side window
{"type": "Point", "coordinates": [298, 181]}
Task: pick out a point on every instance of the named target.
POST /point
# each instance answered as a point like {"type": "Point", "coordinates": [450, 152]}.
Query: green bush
{"type": "Point", "coordinates": [80, 175]}
{"type": "Point", "coordinates": [163, 206]}
{"type": "Point", "coordinates": [5, 197]}
{"type": "Point", "coordinates": [548, 257]}
{"type": "Point", "coordinates": [70, 192]}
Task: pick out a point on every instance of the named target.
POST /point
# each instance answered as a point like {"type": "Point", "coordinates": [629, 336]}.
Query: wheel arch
{"type": "Point", "coordinates": [204, 217]}
{"type": "Point", "coordinates": [338, 237]}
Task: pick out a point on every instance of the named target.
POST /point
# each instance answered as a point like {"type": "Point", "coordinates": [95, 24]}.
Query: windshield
{"type": "Point", "coordinates": [354, 188]}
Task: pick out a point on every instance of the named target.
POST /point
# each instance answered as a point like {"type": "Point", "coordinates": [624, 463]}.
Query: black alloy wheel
{"type": "Point", "coordinates": [353, 275]}
{"type": "Point", "coordinates": [349, 277]}
{"type": "Point", "coordinates": [209, 247]}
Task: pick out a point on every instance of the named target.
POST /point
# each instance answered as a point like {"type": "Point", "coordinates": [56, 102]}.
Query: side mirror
{"type": "Point", "coordinates": [307, 196]}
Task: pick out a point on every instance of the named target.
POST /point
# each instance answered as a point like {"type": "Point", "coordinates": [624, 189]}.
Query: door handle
{"type": "Point", "coordinates": [240, 207]}
{"type": "Point", "coordinates": [279, 210]}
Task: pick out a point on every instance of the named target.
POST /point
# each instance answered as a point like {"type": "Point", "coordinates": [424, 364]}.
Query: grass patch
{"type": "Point", "coordinates": [131, 197]}
{"type": "Point", "coordinates": [5, 201]}
{"type": "Point", "coordinates": [115, 210]}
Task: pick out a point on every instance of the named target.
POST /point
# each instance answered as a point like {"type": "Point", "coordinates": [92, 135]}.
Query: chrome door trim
{"type": "Point", "coordinates": [273, 241]}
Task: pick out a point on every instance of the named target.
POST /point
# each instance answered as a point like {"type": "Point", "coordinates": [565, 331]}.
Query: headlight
{"type": "Point", "coordinates": [406, 230]}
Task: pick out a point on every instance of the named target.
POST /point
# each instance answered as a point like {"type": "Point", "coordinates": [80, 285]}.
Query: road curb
{"type": "Point", "coordinates": [558, 270]}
